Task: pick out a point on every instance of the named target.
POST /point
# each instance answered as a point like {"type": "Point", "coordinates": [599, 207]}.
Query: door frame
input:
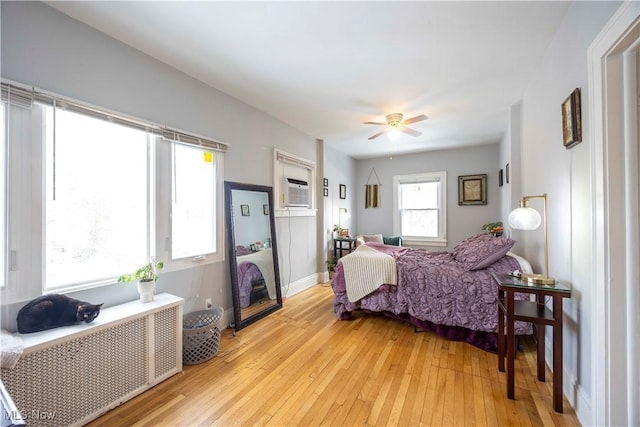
{"type": "Point", "coordinates": [614, 162]}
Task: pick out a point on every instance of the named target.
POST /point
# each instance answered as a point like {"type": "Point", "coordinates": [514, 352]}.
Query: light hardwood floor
{"type": "Point", "coordinates": [302, 367]}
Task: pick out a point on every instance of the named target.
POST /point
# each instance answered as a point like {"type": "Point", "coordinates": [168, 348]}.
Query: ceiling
{"type": "Point", "coordinates": [327, 67]}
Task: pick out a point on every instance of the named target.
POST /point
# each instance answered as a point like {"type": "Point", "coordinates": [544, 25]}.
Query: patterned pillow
{"type": "Point", "coordinates": [377, 238]}
{"type": "Point", "coordinates": [482, 250]}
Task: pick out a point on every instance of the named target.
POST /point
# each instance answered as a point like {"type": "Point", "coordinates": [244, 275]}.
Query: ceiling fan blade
{"type": "Point", "coordinates": [415, 119]}
{"type": "Point", "coordinates": [409, 131]}
{"type": "Point", "coordinates": [374, 123]}
{"type": "Point", "coordinates": [377, 135]}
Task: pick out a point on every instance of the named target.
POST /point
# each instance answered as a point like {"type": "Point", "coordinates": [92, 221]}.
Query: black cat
{"type": "Point", "coordinates": [55, 310]}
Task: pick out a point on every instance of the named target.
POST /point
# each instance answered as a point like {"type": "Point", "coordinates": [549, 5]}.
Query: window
{"type": "Point", "coordinates": [93, 195]}
{"type": "Point", "coordinates": [420, 208]}
{"type": "Point", "coordinates": [97, 218]}
{"type": "Point", "coordinates": [3, 199]}
{"type": "Point", "coordinates": [193, 208]}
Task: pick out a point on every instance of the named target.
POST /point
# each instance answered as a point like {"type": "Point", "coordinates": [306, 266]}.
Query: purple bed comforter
{"type": "Point", "coordinates": [248, 273]}
{"type": "Point", "coordinates": [434, 289]}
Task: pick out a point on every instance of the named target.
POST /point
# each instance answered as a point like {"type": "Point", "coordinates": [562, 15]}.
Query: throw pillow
{"type": "Point", "coordinates": [482, 250]}
{"type": "Point", "coordinates": [392, 240]}
{"type": "Point", "coordinates": [377, 238]}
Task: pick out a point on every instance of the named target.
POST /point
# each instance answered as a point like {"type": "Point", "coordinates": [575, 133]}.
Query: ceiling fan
{"type": "Point", "coordinates": [395, 125]}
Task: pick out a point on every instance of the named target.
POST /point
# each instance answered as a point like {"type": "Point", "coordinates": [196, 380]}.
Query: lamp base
{"type": "Point", "coordinates": [539, 279]}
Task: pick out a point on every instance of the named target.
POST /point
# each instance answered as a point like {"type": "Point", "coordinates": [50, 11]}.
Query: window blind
{"type": "Point", "coordinates": [284, 157]}
{"type": "Point", "coordinates": [15, 95]}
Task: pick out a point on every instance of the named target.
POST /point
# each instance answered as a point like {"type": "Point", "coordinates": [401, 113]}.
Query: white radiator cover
{"type": "Point", "coordinates": [72, 375]}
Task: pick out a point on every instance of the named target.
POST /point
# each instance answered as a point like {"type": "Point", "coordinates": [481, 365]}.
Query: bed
{"type": "Point", "coordinates": [452, 294]}
{"type": "Point", "coordinates": [255, 274]}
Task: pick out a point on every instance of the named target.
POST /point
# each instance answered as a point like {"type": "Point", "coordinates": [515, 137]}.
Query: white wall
{"type": "Point", "coordinates": [47, 49]}
{"type": "Point", "coordinates": [462, 221]}
{"type": "Point", "coordinates": [565, 175]}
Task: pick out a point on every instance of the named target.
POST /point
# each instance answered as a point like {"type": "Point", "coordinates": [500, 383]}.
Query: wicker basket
{"type": "Point", "coordinates": [201, 335]}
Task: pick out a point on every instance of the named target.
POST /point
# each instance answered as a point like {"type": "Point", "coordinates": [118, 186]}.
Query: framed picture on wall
{"type": "Point", "coordinates": [500, 178]}
{"type": "Point", "coordinates": [265, 209]}
{"type": "Point", "coordinates": [571, 120]}
{"type": "Point", "coordinates": [343, 191]}
{"type": "Point", "coordinates": [472, 189]}
{"type": "Point", "coordinates": [244, 209]}
{"type": "Point", "coordinates": [325, 191]}
{"type": "Point", "coordinates": [506, 173]}
{"type": "Point", "coordinates": [325, 182]}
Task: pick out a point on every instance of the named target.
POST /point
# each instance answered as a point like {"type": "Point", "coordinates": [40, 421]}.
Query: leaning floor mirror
{"type": "Point", "coordinates": [253, 255]}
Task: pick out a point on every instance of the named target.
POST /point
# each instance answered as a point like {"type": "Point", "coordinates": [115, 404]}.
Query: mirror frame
{"type": "Point", "coordinates": [240, 323]}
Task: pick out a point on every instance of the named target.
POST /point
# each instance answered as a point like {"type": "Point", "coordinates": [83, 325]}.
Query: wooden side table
{"type": "Point", "coordinates": [537, 313]}
{"type": "Point", "coordinates": [343, 245]}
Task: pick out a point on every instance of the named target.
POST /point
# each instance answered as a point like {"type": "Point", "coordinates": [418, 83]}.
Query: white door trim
{"type": "Point", "coordinates": [612, 183]}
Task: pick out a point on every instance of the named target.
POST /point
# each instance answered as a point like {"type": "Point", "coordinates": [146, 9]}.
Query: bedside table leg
{"type": "Point", "coordinates": [557, 353]}
{"type": "Point", "coordinates": [540, 352]}
{"type": "Point", "coordinates": [511, 346]}
{"type": "Point", "coordinates": [500, 333]}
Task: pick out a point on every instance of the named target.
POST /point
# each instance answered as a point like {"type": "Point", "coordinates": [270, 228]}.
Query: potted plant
{"type": "Point", "coordinates": [331, 267]}
{"type": "Point", "coordinates": [146, 276]}
{"type": "Point", "coordinates": [494, 228]}
{"type": "Point", "coordinates": [341, 233]}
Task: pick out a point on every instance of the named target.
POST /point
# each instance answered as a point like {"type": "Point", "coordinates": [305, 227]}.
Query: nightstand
{"type": "Point", "coordinates": [537, 313]}
{"type": "Point", "coordinates": [343, 245]}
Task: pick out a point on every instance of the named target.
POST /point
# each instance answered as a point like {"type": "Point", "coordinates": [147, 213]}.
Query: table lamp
{"type": "Point", "coordinates": [526, 218]}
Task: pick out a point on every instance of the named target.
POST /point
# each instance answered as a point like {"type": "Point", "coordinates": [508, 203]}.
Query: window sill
{"type": "Point", "coordinates": [289, 212]}
{"type": "Point", "coordinates": [417, 242]}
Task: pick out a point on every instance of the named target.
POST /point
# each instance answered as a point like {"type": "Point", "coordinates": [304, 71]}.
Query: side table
{"type": "Point", "coordinates": [537, 313]}
{"type": "Point", "coordinates": [343, 245]}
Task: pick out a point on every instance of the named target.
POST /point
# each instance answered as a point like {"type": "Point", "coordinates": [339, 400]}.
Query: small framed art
{"type": "Point", "coordinates": [265, 209]}
{"type": "Point", "coordinates": [571, 120]}
{"type": "Point", "coordinates": [244, 209]}
{"type": "Point", "coordinates": [472, 189]}
{"type": "Point", "coordinates": [325, 192]}
{"type": "Point", "coordinates": [343, 191]}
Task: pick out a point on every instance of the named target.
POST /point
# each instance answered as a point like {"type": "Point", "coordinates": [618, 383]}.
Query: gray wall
{"type": "Point", "coordinates": [462, 221]}
{"type": "Point", "coordinates": [565, 175]}
{"type": "Point", "coordinates": [338, 169]}
{"type": "Point", "coordinates": [44, 48]}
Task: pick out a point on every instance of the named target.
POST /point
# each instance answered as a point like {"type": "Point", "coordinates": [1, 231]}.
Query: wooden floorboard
{"type": "Point", "coordinates": [300, 366]}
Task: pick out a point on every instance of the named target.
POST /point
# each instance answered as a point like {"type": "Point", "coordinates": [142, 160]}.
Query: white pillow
{"type": "Point", "coordinates": [377, 238]}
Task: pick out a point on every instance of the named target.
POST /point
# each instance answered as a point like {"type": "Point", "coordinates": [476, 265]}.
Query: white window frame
{"type": "Point", "coordinates": [163, 222]}
{"type": "Point", "coordinates": [3, 201]}
{"type": "Point", "coordinates": [441, 239]}
{"type": "Point", "coordinates": [292, 166]}
{"type": "Point", "coordinates": [25, 223]}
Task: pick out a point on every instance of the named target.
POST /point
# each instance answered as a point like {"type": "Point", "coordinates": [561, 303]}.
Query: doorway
{"type": "Point", "coordinates": [614, 63]}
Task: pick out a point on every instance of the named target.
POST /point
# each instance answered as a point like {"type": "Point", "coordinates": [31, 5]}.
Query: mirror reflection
{"type": "Point", "coordinates": [255, 282]}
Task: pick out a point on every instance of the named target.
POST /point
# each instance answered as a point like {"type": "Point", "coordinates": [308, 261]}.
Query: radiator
{"type": "Point", "coordinates": [72, 375]}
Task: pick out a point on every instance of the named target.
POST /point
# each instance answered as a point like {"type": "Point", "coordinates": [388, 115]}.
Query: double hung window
{"type": "Point", "coordinates": [420, 208]}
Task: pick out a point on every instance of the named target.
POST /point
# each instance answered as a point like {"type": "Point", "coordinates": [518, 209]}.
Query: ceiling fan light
{"type": "Point", "coordinates": [393, 134]}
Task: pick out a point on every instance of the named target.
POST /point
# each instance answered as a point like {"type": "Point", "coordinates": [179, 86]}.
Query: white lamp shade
{"type": "Point", "coordinates": [524, 219]}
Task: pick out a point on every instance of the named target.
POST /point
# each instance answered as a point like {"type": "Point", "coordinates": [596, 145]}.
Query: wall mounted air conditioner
{"type": "Point", "coordinates": [296, 192]}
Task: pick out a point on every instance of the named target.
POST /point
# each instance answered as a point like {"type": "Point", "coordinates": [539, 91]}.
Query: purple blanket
{"type": "Point", "coordinates": [248, 273]}
{"type": "Point", "coordinates": [434, 289]}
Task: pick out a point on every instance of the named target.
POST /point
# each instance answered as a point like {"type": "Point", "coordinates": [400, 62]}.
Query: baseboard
{"type": "Point", "coordinates": [300, 285]}
{"type": "Point", "coordinates": [579, 400]}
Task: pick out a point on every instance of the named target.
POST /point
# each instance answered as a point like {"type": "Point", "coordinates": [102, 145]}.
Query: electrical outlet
{"type": "Point", "coordinates": [208, 303]}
